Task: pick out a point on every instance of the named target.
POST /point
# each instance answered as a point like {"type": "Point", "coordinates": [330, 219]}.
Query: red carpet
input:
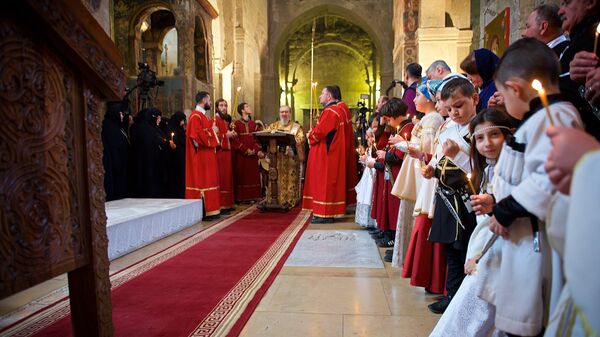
{"type": "Point", "coordinates": [206, 285]}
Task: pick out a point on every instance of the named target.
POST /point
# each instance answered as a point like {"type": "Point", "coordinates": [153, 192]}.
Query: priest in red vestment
{"type": "Point", "coordinates": [201, 172]}
{"type": "Point", "coordinates": [225, 156]}
{"type": "Point", "coordinates": [325, 183]}
{"type": "Point", "coordinates": [246, 153]}
{"type": "Point", "coordinates": [351, 159]}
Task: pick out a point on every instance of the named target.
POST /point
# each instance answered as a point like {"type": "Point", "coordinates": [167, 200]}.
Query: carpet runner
{"type": "Point", "coordinates": [206, 285]}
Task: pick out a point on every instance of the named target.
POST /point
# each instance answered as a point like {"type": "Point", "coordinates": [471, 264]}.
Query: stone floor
{"type": "Point", "coordinates": [303, 301]}
{"type": "Point", "coordinates": [344, 302]}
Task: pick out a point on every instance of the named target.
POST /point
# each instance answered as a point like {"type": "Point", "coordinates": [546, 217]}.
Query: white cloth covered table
{"type": "Point", "coordinates": [134, 223]}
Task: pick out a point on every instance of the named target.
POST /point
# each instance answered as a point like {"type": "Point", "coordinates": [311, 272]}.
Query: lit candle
{"type": "Point", "coordinates": [406, 136]}
{"type": "Point", "coordinates": [596, 38]}
{"type": "Point", "coordinates": [471, 183]}
{"type": "Point", "coordinates": [537, 85]}
{"type": "Point", "coordinates": [172, 135]}
{"type": "Point", "coordinates": [359, 139]}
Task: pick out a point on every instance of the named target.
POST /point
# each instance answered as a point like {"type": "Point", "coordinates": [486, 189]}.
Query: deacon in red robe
{"type": "Point", "coordinates": [247, 150]}
{"type": "Point", "coordinates": [201, 172]}
{"type": "Point", "coordinates": [325, 183]}
{"type": "Point", "coordinates": [225, 156]}
{"type": "Point", "coordinates": [351, 159]}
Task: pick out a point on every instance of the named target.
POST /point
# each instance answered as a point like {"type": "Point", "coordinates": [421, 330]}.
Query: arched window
{"type": "Point", "coordinates": [168, 56]}
{"type": "Point", "coordinates": [201, 54]}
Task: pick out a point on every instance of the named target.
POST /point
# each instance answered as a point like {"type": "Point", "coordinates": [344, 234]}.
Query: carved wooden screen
{"type": "Point", "coordinates": [56, 67]}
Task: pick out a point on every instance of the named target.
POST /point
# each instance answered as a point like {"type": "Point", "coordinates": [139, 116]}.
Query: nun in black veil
{"type": "Point", "coordinates": [148, 147]}
{"type": "Point", "coordinates": [116, 153]}
{"type": "Point", "coordinates": [176, 159]}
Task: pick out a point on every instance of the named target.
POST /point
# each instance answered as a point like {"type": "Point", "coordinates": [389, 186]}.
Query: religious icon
{"type": "Point", "coordinates": [496, 33]}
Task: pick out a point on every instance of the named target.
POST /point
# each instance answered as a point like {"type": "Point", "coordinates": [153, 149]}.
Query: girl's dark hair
{"type": "Point", "coordinates": [372, 118]}
{"type": "Point", "coordinates": [496, 117]}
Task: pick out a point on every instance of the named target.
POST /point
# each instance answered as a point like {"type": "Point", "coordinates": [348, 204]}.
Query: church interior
{"type": "Point", "coordinates": [76, 264]}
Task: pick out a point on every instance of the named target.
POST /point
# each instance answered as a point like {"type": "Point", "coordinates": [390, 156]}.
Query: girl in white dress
{"type": "Point", "coordinates": [364, 188]}
{"type": "Point", "coordinates": [409, 179]}
{"type": "Point", "coordinates": [467, 314]}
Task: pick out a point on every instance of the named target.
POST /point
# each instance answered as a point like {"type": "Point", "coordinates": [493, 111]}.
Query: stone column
{"type": "Point", "coordinates": [435, 41]}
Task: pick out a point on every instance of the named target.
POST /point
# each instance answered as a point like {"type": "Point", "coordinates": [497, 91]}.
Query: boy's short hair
{"type": "Point", "coordinates": [457, 85]}
{"type": "Point", "coordinates": [394, 108]}
{"type": "Point", "coordinates": [529, 59]}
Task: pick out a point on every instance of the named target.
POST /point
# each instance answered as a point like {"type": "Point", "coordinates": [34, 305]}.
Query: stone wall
{"type": "Point", "coordinates": [241, 30]}
{"type": "Point", "coordinates": [426, 31]}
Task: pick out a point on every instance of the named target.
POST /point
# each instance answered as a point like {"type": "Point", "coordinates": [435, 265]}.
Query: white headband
{"type": "Point", "coordinates": [480, 131]}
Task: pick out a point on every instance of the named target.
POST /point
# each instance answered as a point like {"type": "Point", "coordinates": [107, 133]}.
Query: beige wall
{"type": "Point", "coordinates": [441, 31]}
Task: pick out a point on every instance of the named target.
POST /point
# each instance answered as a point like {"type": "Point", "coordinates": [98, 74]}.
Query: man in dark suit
{"type": "Point", "coordinates": [544, 24]}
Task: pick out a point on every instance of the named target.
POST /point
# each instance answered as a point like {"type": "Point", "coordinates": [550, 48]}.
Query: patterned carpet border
{"type": "Point", "coordinates": [61, 308]}
{"type": "Point", "coordinates": [226, 313]}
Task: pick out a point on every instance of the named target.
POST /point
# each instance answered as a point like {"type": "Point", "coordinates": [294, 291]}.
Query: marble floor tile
{"type": "Point", "coordinates": [406, 300]}
{"type": "Point", "coordinates": [278, 324]}
{"type": "Point", "coordinates": [330, 295]}
{"type": "Point", "coordinates": [388, 326]}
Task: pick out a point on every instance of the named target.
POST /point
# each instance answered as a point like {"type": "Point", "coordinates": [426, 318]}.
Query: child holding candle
{"type": "Point", "coordinates": [364, 188]}
{"type": "Point", "coordinates": [424, 262]}
{"type": "Point", "coordinates": [389, 163]}
{"type": "Point", "coordinates": [489, 128]}
{"type": "Point", "coordinates": [453, 221]}
{"type": "Point", "coordinates": [517, 284]}
{"type": "Point", "coordinates": [409, 179]}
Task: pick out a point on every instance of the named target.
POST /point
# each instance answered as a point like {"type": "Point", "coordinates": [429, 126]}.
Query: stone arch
{"type": "Point", "coordinates": [133, 30]}
{"type": "Point", "coordinates": [319, 11]}
{"type": "Point", "coordinates": [290, 22]}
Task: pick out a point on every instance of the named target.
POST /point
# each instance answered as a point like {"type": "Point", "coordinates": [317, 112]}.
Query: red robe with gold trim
{"type": "Point", "coordinates": [325, 183]}
{"type": "Point", "coordinates": [351, 159]}
{"type": "Point", "coordinates": [247, 175]}
{"type": "Point", "coordinates": [201, 173]}
{"type": "Point", "coordinates": [385, 205]}
{"type": "Point", "coordinates": [225, 164]}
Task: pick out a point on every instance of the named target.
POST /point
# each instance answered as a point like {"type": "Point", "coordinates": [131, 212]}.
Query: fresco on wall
{"type": "Point", "coordinates": [496, 33]}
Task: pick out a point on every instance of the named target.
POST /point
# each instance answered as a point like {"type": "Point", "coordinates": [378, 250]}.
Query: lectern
{"type": "Point", "coordinates": [273, 141]}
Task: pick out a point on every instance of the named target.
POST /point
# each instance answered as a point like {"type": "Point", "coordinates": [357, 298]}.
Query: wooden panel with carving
{"type": "Point", "coordinates": [40, 216]}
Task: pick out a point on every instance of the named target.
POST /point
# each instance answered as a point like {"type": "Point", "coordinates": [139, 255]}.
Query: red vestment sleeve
{"type": "Point", "coordinates": [201, 131]}
{"type": "Point", "coordinates": [330, 120]}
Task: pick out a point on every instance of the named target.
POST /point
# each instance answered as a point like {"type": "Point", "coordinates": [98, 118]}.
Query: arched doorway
{"type": "Point", "coordinates": [155, 40]}
{"type": "Point", "coordinates": [344, 54]}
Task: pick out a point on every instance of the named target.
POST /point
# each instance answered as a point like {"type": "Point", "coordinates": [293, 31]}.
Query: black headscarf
{"type": "Point", "coordinates": [115, 154]}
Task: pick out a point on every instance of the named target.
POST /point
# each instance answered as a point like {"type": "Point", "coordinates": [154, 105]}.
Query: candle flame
{"type": "Point", "coordinates": [469, 176]}
{"type": "Point", "coordinates": [537, 85]}
{"type": "Point", "coordinates": [239, 88]}
{"type": "Point", "coordinates": [172, 134]}
{"type": "Point", "coordinates": [598, 29]}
